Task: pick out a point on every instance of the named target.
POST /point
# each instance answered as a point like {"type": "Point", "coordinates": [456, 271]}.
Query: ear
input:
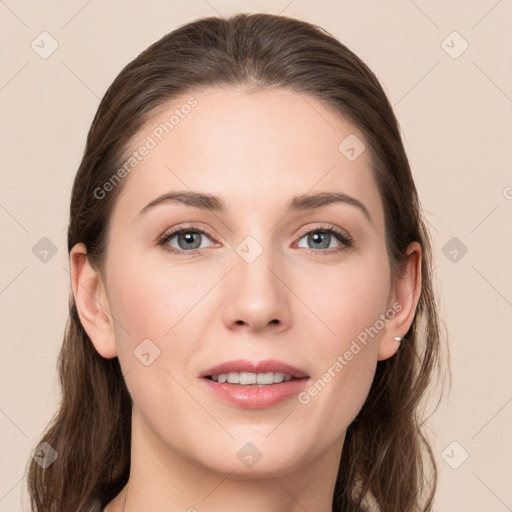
{"type": "Point", "coordinates": [405, 295]}
{"type": "Point", "coordinates": [92, 302]}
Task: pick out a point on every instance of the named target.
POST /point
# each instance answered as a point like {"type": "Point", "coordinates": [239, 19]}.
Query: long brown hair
{"type": "Point", "coordinates": [386, 455]}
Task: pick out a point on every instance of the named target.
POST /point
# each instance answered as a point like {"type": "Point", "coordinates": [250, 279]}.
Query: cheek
{"type": "Point", "coordinates": [150, 299]}
{"type": "Point", "coordinates": [151, 315]}
{"type": "Point", "coordinates": [158, 314]}
{"type": "Point", "coordinates": [349, 301]}
{"type": "Point", "coordinates": [346, 299]}
{"type": "Point", "coordinates": [347, 390]}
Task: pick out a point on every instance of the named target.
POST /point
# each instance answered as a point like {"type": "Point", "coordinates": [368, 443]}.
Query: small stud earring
{"type": "Point", "coordinates": [398, 339]}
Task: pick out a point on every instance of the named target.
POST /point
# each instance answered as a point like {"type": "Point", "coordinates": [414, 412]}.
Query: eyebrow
{"type": "Point", "coordinates": [214, 203]}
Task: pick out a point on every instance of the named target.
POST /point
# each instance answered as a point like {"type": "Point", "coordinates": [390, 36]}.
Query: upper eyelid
{"type": "Point", "coordinates": [173, 232]}
{"type": "Point", "coordinates": [326, 227]}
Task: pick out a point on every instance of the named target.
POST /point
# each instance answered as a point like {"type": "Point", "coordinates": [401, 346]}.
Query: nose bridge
{"type": "Point", "coordinates": [257, 296]}
{"type": "Point", "coordinates": [254, 259]}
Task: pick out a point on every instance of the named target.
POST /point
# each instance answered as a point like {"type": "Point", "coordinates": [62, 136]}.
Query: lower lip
{"type": "Point", "coordinates": [254, 397]}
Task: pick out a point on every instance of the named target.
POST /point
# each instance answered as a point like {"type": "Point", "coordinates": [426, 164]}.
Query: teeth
{"type": "Point", "coordinates": [251, 379]}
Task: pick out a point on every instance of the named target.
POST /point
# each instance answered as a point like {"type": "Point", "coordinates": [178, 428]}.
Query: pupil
{"type": "Point", "coordinates": [321, 234]}
{"type": "Point", "coordinates": [188, 241]}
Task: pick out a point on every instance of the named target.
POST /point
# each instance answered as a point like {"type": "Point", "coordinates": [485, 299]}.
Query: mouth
{"type": "Point", "coordinates": [254, 385]}
{"type": "Point", "coordinates": [250, 373]}
{"type": "Point", "coordinates": [253, 379]}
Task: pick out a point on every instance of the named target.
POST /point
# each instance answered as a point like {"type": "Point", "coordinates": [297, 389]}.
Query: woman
{"type": "Point", "coordinates": [252, 319]}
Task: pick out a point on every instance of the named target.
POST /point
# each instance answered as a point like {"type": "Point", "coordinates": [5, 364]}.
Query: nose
{"type": "Point", "coordinates": [257, 298]}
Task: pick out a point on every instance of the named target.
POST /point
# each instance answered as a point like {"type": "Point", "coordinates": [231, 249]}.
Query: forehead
{"type": "Point", "coordinates": [254, 149]}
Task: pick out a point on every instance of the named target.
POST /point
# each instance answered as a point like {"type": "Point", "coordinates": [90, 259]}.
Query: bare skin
{"type": "Point", "coordinates": [295, 302]}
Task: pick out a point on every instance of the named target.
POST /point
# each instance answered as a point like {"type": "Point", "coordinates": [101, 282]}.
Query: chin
{"type": "Point", "coordinates": [253, 460]}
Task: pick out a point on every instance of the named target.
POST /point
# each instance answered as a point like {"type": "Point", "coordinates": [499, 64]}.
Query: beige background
{"type": "Point", "coordinates": [455, 114]}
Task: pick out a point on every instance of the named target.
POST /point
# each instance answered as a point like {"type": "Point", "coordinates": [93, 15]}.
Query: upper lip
{"type": "Point", "coordinates": [244, 365]}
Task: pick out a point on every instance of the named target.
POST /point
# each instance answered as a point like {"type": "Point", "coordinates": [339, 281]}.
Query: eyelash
{"type": "Point", "coordinates": [341, 236]}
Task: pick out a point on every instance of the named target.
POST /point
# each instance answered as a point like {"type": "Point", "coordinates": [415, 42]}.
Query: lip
{"type": "Point", "coordinates": [254, 397]}
{"type": "Point", "coordinates": [244, 365]}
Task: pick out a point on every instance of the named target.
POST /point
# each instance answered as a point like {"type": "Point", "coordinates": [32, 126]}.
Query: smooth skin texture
{"type": "Point", "coordinates": [256, 150]}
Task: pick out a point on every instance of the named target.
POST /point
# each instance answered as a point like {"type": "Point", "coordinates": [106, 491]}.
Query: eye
{"type": "Point", "coordinates": [187, 238]}
{"type": "Point", "coordinates": [321, 238]}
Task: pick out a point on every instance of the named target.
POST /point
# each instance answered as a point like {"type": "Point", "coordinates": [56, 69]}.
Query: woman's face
{"type": "Point", "coordinates": [266, 282]}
